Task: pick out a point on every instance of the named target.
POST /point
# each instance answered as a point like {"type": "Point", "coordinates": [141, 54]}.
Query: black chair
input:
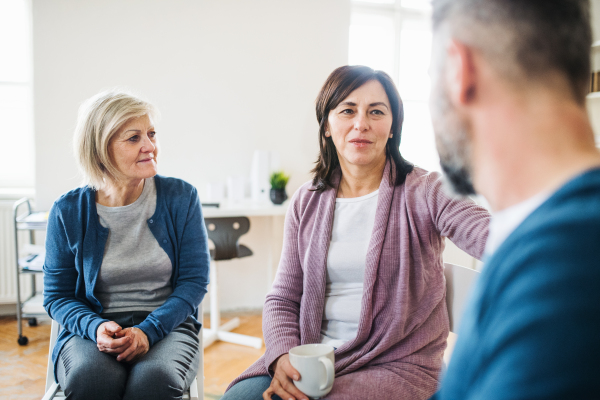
{"type": "Point", "coordinates": [225, 234]}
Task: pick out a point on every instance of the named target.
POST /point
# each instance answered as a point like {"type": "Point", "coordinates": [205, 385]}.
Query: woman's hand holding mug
{"type": "Point", "coordinates": [282, 384]}
{"type": "Point", "coordinates": [316, 363]}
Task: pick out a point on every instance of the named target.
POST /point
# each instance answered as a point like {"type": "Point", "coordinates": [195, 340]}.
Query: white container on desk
{"type": "Point", "coordinates": [236, 188]}
{"type": "Point", "coordinates": [215, 192]}
{"type": "Point", "coordinates": [263, 163]}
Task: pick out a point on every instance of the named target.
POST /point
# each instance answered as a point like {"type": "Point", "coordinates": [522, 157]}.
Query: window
{"type": "Point", "coordinates": [16, 97]}
{"type": "Point", "coordinates": [395, 36]}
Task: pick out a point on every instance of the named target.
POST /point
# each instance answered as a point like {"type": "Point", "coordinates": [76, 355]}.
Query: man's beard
{"type": "Point", "coordinates": [452, 143]}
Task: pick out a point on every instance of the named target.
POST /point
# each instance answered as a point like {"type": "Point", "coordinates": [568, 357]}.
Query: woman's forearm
{"type": "Point", "coordinates": [75, 316]}
{"type": "Point", "coordinates": [462, 220]}
{"type": "Point", "coordinates": [281, 327]}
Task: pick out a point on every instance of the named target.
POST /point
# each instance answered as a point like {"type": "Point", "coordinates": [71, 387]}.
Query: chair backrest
{"type": "Point", "coordinates": [459, 282]}
{"type": "Point", "coordinates": [225, 234]}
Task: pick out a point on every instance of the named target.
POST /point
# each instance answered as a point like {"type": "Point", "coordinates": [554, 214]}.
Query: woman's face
{"type": "Point", "coordinates": [133, 149]}
{"type": "Point", "coordinates": [361, 125]}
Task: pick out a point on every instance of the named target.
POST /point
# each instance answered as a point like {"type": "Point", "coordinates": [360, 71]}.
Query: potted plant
{"type": "Point", "coordinates": [278, 182]}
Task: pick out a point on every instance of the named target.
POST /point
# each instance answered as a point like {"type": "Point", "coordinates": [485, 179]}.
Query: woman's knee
{"type": "Point", "coordinates": [94, 387]}
{"type": "Point", "coordinates": [155, 380]}
{"type": "Point", "coordinates": [167, 370]}
{"type": "Point", "coordinates": [249, 389]}
{"type": "Point", "coordinates": [100, 377]}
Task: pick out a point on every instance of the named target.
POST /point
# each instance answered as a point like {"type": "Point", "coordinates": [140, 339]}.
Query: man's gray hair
{"type": "Point", "coordinates": [525, 40]}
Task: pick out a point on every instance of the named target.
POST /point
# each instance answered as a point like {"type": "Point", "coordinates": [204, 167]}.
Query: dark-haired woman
{"type": "Point", "coordinates": [361, 267]}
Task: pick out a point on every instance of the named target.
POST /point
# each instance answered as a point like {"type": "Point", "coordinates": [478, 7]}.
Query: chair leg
{"type": "Point", "coordinates": [215, 313]}
{"type": "Point", "coordinates": [194, 391]}
{"type": "Point", "coordinates": [200, 375]}
{"type": "Point", "coordinates": [222, 332]}
{"type": "Point", "coordinates": [51, 391]}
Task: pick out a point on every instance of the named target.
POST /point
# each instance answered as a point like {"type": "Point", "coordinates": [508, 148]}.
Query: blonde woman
{"type": "Point", "coordinates": [126, 262]}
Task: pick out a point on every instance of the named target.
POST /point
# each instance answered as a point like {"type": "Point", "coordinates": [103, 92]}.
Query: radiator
{"type": "Point", "coordinates": [8, 290]}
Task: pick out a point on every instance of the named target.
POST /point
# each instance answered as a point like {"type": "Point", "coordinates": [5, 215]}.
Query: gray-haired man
{"type": "Point", "coordinates": [508, 104]}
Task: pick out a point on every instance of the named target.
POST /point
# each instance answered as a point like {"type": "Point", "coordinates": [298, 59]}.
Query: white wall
{"type": "Point", "coordinates": [228, 76]}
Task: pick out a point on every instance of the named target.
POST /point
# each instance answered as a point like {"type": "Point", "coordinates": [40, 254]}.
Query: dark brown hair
{"type": "Point", "coordinates": [343, 81]}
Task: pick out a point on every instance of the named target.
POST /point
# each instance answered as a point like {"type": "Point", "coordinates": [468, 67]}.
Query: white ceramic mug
{"type": "Point", "coordinates": [315, 364]}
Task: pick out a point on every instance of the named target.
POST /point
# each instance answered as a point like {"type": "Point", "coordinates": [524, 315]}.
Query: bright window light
{"type": "Point", "coordinates": [14, 41]}
{"type": "Point", "coordinates": [424, 5]}
{"type": "Point", "coordinates": [372, 41]}
{"type": "Point", "coordinates": [415, 54]}
{"type": "Point", "coordinates": [16, 116]}
{"type": "Point", "coordinates": [377, 1]}
{"type": "Point", "coordinates": [418, 142]}
{"type": "Point", "coordinates": [16, 152]}
{"type": "Point", "coordinates": [397, 40]}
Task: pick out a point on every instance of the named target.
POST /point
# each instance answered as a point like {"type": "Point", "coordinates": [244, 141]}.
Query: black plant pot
{"type": "Point", "coordinates": [278, 196]}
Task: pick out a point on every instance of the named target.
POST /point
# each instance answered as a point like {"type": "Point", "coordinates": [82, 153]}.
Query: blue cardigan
{"type": "Point", "coordinates": [532, 328]}
{"type": "Point", "coordinates": [75, 242]}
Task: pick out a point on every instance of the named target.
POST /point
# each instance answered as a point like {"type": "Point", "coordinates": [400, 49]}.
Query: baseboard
{"type": "Point", "coordinates": [240, 311]}
{"type": "Point", "coordinates": [8, 309]}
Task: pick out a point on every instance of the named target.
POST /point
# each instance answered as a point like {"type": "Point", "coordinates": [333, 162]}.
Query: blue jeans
{"type": "Point", "coordinates": [250, 389]}
{"type": "Point", "coordinates": [165, 372]}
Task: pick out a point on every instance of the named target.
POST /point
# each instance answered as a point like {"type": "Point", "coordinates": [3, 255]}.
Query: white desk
{"type": "Point", "coordinates": [245, 209]}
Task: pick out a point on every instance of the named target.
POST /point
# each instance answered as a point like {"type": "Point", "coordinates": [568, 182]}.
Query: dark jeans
{"type": "Point", "coordinates": [165, 372]}
{"type": "Point", "coordinates": [250, 389]}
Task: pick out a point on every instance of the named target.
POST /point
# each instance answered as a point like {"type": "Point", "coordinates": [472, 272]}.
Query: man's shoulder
{"type": "Point", "coordinates": [554, 250]}
{"type": "Point", "coordinates": [576, 202]}
{"type": "Point", "coordinates": [537, 309]}
{"type": "Point", "coordinates": [565, 222]}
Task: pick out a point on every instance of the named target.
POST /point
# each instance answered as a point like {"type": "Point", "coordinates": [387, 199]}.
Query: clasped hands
{"type": "Point", "coordinates": [127, 344]}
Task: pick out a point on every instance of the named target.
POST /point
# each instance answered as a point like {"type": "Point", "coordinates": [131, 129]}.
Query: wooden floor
{"type": "Point", "coordinates": [23, 368]}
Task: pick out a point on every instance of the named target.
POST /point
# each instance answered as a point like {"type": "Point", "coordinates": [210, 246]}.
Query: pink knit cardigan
{"type": "Point", "coordinates": [403, 326]}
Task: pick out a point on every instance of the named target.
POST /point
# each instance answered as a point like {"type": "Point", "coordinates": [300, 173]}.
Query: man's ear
{"type": "Point", "coordinates": [462, 76]}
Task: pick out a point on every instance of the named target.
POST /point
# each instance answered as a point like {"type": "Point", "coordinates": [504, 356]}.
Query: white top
{"type": "Point", "coordinates": [504, 222]}
{"type": "Point", "coordinates": [350, 236]}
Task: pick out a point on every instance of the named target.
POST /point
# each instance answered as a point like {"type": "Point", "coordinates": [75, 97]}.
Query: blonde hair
{"type": "Point", "coordinates": [99, 118]}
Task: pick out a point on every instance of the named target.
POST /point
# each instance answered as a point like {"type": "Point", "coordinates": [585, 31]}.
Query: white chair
{"type": "Point", "coordinates": [53, 390]}
{"type": "Point", "coordinates": [225, 233]}
{"type": "Point", "coordinates": [459, 282]}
